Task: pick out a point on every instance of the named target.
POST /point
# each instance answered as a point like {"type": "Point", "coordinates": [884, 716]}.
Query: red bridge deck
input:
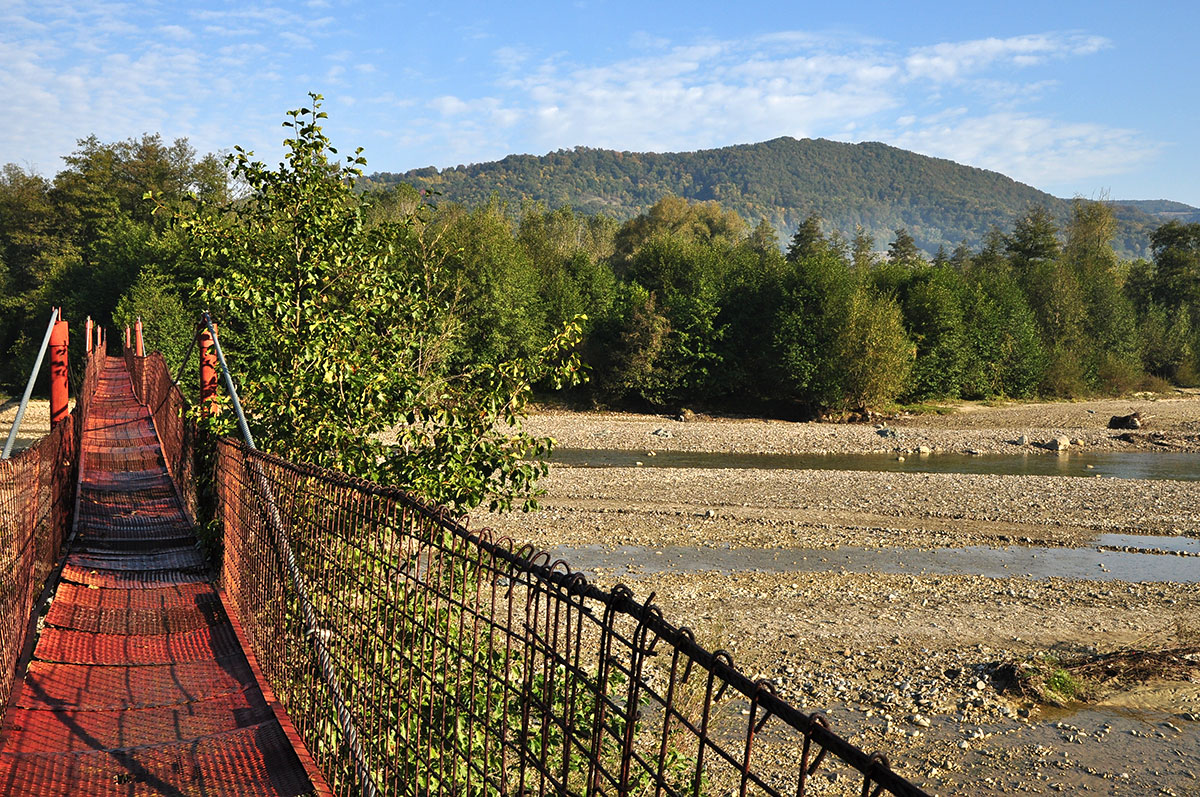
{"type": "Point", "coordinates": [138, 683]}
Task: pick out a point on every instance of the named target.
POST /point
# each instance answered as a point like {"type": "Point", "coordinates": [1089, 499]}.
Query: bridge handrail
{"type": "Point", "coordinates": [154, 387]}
{"type": "Point", "coordinates": [405, 586]}
{"type": "Point", "coordinates": [37, 505]}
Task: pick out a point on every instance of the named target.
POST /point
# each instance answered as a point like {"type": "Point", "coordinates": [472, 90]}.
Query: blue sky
{"type": "Point", "coordinates": [1074, 98]}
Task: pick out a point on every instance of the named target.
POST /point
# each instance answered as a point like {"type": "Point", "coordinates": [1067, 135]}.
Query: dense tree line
{"type": "Point", "coordinates": [684, 304]}
{"type": "Point", "coordinates": [88, 241]}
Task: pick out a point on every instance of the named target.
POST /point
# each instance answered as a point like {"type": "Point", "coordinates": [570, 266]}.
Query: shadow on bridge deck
{"type": "Point", "coordinates": [139, 683]}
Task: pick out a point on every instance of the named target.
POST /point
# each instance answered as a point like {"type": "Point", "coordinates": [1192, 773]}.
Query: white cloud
{"type": "Point", "coordinates": [954, 60]}
{"type": "Point", "coordinates": [1032, 149]}
{"type": "Point", "coordinates": [177, 32]}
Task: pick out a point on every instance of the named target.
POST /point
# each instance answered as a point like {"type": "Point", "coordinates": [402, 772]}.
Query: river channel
{"type": "Point", "coordinates": [1109, 464]}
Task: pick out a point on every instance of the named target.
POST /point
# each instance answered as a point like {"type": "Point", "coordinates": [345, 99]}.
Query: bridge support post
{"type": "Point", "coordinates": [127, 338]}
{"type": "Point", "coordinates": [87, 333]}
{"type": "Point", "coordinates": [59, 391]}
{"type": "Point", "coordinates": [141, 349]}
{"type": "Point", "coordinates": [208, 374]}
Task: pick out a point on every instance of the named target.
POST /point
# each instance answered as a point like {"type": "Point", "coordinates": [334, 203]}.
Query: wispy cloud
{"type": "Point", "coordinates": [1032, 149]}
{"type": "Point", "coordinates": [118, 70]}
{"type": "Point", "coordinates": [954, 60]}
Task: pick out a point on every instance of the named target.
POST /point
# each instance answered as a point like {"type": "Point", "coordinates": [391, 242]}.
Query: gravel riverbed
{"type": "Point", "coordinates": [906, 662]}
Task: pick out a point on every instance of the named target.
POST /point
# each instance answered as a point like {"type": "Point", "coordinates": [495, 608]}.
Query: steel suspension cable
{"type": "Point", "coordinates": [345, 718]}
{"type": "Point", "coordinates": [183, 363]}
{"type": "Point", "coordinates": [37, 366]}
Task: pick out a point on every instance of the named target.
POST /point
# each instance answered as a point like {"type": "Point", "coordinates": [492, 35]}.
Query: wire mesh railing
{"type": "Point", "coordinates": [37, 492]}
{"type": "Point", "coordinates": [472, 667]}
{"type": "Point", "coordinates": [154, 387]}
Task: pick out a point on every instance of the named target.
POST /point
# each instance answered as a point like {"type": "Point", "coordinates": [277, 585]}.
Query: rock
{"type": "Point", "coordinates": [887, 432]}
{"type": "Point", "coordinates": [685, 415]}
{"type": "Point", "coordinates": [924, 450]}
{"type": "Point", "coordinates": [1060, 443]}
{"type": "Point", "coordinates": [1131, 421]}
{"type": "Point", "coordinates": [661, 433]}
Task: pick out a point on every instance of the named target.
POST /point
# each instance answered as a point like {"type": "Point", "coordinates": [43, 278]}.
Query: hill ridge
{"type": "Point", "coordinates": [873, 184]}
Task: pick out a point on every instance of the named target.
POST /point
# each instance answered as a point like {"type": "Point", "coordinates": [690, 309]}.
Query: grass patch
{"type": "Point", "coordinates": [1050, 680]}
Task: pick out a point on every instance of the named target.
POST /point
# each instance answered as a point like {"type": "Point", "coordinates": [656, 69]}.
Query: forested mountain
{"type": "Point", "coordinates": [881, 188]}
{"type": "Point", "coordinates": [1163, 209]}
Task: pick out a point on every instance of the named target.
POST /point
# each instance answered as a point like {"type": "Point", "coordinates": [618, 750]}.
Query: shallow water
{"type": "Point", "coordinates": [1032, 562]}
{"type": "Point", "coordinates": [1109, 464]}
{"type": "Point", "coordinates": [1150, 542]}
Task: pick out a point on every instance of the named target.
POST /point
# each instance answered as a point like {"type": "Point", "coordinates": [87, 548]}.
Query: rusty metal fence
{"type": "Point", "coordinates": [37, 494]}
{"type": "Point", "coordinates": [471, 666]}
{"type": "Point", "coordinates": [154, 387]}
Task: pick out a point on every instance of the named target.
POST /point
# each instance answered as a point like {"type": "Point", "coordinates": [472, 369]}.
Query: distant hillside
{"type": "Point", "coordinates": [1163, 209]}
{"type": "Point", "coordinates": [783, 180]}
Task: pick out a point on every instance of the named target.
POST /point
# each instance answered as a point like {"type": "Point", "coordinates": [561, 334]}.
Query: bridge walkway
{"type": "Point", "coordinates": [139, 682]}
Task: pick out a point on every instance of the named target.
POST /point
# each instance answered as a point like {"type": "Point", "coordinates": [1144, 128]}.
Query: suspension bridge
{"type": "Point", "coordinates": [336, 637]}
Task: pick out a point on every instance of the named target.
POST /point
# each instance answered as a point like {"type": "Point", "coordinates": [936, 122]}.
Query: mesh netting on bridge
{"type": "Point", "coordinates": [37, 491]}
{"type": "Point", "coordinates": [476, 668]}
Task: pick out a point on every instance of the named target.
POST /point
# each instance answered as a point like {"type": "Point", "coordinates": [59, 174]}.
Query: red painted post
{"type": "Point", "coordinates": [87, 343]}
{"type": "Point", "coordinates": [141, 349]}
{"type": "Point", "coordinates": [208, 374]}
{"type": "Point", "coordinates": [127, 337]}
{"type": "Point", "coordinates": [59, 338]}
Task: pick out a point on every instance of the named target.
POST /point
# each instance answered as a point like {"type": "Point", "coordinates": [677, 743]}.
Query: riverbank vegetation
{"type": "Point", "coordinates": [687, 304]}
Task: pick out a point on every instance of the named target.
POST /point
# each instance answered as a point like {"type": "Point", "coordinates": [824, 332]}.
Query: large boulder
{"type": "Point", "coordinates": [1060, 443]}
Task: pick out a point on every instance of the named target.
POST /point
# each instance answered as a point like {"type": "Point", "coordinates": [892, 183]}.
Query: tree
{"type": "Point", "coordinates": [168, 324]}
{"type": "Point", "coordinates": [862, 250]}
{"type": "Point", "coordinates": [495, 282]}
{"type": "Point", "coordinates": [934, 318]}
{"type": "Point", "coordinates": [1176, 248]}
{"type": "Point", "coordinates": [874, 350]}
{"type": "Point", "coordinates": [699, 221]}
{"type": "Point", "coordinates": [1111, 345]}
{"type": "Point", "coordinates": [808, 240]}
{"type": "Point", "coordinates": [903, 250]}
{"type": "Point", "coordinates": [1034, 240]}
{"type": "Point", "coordinates": [814, 299]}
{"type": "Point", "coordinates": [340, 334]}
{"type": "Point", "coordinates": [763, 239]}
